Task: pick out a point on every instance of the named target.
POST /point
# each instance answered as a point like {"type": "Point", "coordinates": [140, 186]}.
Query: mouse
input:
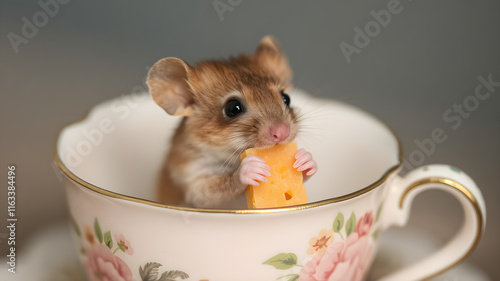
{"type": "Point", "coordinates": [226, 106]}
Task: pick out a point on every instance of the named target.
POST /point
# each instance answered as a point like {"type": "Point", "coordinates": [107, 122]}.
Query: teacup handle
{"type": "Point", "coordinates": [452, 180]}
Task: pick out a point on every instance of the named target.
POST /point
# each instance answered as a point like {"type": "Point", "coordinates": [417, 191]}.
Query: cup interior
{"type": "Point", "coordinates": [121, 144]}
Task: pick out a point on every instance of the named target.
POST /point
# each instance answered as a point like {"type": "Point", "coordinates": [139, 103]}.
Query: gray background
{"type": "Point", "coordinates": [427, 59]}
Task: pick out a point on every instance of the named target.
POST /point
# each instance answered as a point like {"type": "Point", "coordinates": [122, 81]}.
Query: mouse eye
{"type": "Point", "coordinates": [233, 108]}
{"type": "Point", "coordinates": [286, 98]}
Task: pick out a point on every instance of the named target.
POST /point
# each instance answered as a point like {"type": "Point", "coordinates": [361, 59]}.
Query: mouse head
{"type": "Point", "coordinates": [233, 104]}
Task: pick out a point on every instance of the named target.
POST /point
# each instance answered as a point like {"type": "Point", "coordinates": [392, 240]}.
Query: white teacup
{"type": "Point", "coordinates": [111, 161]}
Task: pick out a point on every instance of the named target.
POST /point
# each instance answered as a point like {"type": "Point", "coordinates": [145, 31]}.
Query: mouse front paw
{"type": "Point", "coordinates": [304, 163]}
{"type": "Point", "coordinates": [252, 170]}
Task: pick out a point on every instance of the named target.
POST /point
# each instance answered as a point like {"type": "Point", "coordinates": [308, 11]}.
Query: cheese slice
{"type": "Point", "coordinates": [285, 185]}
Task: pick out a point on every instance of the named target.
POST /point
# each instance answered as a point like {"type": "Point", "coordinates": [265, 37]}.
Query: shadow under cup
{"type": "Point", "coordinates": [111, 160]}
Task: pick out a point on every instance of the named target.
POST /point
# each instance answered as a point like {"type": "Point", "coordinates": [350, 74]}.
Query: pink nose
{"type": "Point", "coordinates": [279, 133]}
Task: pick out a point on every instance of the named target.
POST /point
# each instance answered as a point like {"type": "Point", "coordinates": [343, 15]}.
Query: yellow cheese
{"type": "Point", "coordinates": [285, 185]}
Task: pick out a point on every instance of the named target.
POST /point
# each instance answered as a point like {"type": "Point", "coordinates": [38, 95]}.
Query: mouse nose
{"type": "Point", "coordinates": [279, 133]}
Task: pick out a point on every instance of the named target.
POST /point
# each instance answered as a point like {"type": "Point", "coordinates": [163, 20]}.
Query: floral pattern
{"type": "Point", "coordinates": [102, 262]}
{"type": "Point", "coordinates": [342, 252]}
{"type": "Point", "coordinates": [102, 265]}
{"type": "Point", "coordinates": [318, 245]}
{"type": "Point", "coordinates": [123, 244]}
{"type": "Point", "coordinates": [364, 224]}
{"type": "Point", "coordinates": [347, 259]}
{"type": "Point", "coordinates": [89, 235]}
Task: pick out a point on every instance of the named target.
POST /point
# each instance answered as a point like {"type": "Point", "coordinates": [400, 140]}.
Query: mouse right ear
{"type": "Point", "coordinates": [270, 55]}
{"type": "Point", "coordinates": [168, 85]}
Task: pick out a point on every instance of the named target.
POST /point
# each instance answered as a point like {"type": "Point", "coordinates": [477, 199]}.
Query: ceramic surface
{"type": "Point", "coordinates": [111, 160]}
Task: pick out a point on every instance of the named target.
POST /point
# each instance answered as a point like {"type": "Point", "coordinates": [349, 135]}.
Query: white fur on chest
{"type": "Point", "coordinates": [213, 161]}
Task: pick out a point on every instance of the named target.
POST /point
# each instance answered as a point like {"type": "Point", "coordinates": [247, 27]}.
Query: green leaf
{"type": "Point", "coordinates": [98, 275]}
{"type": "Point", "coordinates": [282, 261]}
{"type": "Point", "coordinates": [376, 233]}
{"type": "Point", "coordinates": [338, 223]}
{"type": "Point", "coordinates": [108, 240]}
{"type": "Point", "coordinates": [149, 272]}
{"type": "Point", "coordinates": [172, 275]}
{"type": "Point", "coordinates": [121, 246]}
{"type": "Point", "coordinates": [379, 210]}
{"type": "Point", "coordinates": [350, 225]}
{"type": "Point", "coordinates": [75, 227]}
{"type": "Point", "coordinates": [455, 169]}
{"type": "Point", "coordinates": [293, 277]}
{"type": "Point", "coordinates": [97, 230]}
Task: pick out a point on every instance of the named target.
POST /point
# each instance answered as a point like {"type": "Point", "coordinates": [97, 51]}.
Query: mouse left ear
{"type": "Point", "coordinates": [168, 84]}
{"type": "Point", "coordinates": [272, 58]}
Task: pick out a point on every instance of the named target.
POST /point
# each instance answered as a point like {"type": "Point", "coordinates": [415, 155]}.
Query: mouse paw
{"type": "Point", "coordinates": [252, 170]}
{"type": "Point", "coordinates": [304, 163]}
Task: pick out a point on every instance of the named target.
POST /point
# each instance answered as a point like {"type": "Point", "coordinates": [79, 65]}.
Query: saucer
{"type": "Point", "coordinates": [50, 256]}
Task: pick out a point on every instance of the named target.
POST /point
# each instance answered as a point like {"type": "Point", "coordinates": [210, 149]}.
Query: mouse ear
{"type": "Point", "coordinates": [271, 57]}
{"type": "Point", "coordinates": [168, 84]}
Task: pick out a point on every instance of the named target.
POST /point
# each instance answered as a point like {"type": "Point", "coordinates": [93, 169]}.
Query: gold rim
{"type": "Point", "coordinates": [108, 193]}
{"type": "Point", "coordinates": [472, 200]}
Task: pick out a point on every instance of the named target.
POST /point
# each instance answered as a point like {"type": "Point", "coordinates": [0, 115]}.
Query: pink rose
{"type": "Point", "coordinates": [365, 224]}
{"type": "Point", "coordinates": [343, 261]}
{"type": "Point", "coordinates": [102, 265]}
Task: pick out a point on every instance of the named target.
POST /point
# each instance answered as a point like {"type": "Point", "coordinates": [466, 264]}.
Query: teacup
{"type": "Point", "coordinates": [111, 160]}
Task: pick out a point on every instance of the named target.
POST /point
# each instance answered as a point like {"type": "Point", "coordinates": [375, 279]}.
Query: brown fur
{"type": "Point", "coordinates": [199, 170]}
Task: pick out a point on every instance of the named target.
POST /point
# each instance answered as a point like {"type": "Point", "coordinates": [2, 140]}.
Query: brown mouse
{"type": "Point", "coordinates": [227, 106]}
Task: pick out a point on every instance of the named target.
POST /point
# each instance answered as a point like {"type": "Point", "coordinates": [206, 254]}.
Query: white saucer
{"type": "Point", "coordinates": [51, 256]}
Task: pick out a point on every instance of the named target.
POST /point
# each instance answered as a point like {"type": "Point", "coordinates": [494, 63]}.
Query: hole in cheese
{"type": "Point", "coordinates": [285, 185]}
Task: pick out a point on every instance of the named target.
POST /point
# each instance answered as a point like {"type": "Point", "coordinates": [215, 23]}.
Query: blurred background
{"type": "Point", "coordinates": [416, 70]}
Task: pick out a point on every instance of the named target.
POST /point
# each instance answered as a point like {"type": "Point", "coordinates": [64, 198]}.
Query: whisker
{"type": "Point", "coordinates": [231, 160]}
